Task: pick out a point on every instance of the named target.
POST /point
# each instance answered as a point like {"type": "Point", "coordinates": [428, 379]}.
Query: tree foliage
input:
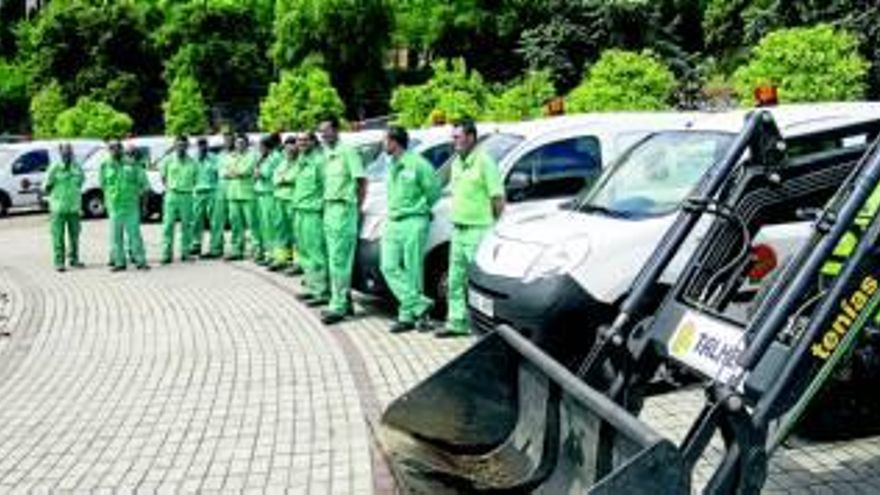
{"type": "Point", "coordinates": [623, 80]}
{"type": "Point", "coordinates": [452, 92]}
{"type": "Point", "coordinates": [299, 99]}
{"type": "Point", "coordinates": [185, 109]}
{"type": "Point", "coordinates": [523, 99]}
{"type": "Point", "coordinates": [91, 118]}
{"type": "Point", "coordinates": [46, 105]}
{"type": "Point", "coordinates": [13, 97]}
{"type": "Point", "coordinates": [806, 64]}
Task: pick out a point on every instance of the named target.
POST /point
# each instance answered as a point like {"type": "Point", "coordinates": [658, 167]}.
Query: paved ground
{"type": "Point", "coordinates": [197, 377]}
{"type": "Point", "coordinates": [212, 377]}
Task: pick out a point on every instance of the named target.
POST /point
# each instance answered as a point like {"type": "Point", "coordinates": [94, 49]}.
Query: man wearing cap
{"type": "Point", "coordinates": [412, 189]}
{"type": "Point", "coordinates": [64, 181]}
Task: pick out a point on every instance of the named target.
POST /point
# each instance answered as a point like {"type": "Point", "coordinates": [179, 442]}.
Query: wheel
{"type": "Point", "coordinates": [437, 280]}
{"type": "Point", "coordinates": [93, 205]}
{"type": "Point", "coordinates": [5, 204]}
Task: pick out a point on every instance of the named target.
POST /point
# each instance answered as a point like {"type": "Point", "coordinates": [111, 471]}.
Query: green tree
{"type": "Point", "coordinates": [185, 109]}
{"type": "Point", "coordinates": [13, 98]}
{"type": "Point", "coordinates": [219, 44]}
{"type": "Point", "coordinates": [523, 99]}
{"type": "Point", "coordinates": [96, 49]}
{"type": "Point", "coordinates": [299, 99]}
{"type": "Point", "coordinates": [452, 91]}
{"type": "Point", "coordinates": [45, 107]}
{"type": "Point", "coordinates": [91, 118]}
{"type": "Point", "coordinates": [806, 64]}
{"type": "Point", "coordinates": [350, 36]}
{"type": "Point", "coordinates": [622, 80]}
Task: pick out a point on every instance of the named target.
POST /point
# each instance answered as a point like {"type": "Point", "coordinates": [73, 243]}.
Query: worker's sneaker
{"type": "Point", "coordinates": [403, 327]}
{"type": "Point", "coordinates": [331, 317]}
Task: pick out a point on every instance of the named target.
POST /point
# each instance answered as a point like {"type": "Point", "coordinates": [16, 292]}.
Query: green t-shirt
{"type": "Point", "coordinates": [207, 174]}
{"type": "Point", "coordinates": [413, 187]}
{"type": "Point", "coordinates": [284, 179]}
{"type": "Point", "coordinates": [238, 169]}
{"type": "Point", "coordinates": [64, 185]}
{"type": "Point", "coordinates": [308, 192]}
{"type": "Point", "coordinates": [342, 170]}
{"type": "Point", "coordinates": [475, 181]}
{"type": "Point", "coordinates": [178, 173]}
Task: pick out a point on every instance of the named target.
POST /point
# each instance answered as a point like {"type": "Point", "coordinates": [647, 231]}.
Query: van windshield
{"type": "Point", "coordinates": [656, 175]}
{"type": "Point", "coordinates": [6, 155]}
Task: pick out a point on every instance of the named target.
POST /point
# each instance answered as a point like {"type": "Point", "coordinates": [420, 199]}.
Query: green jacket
{"type": "Point", "coordinates": [284, 179]}
{"type": "Point", "coordinates": [123, 182]}
{"type": "Point", "coordinates": [308, 192]}
{"type": "Point", "coordinates": [64, 187]}
{"type": "Point", "coordinates": [342, 169]}
{"type": "Point", "coordinates": [238, 169]}
{"type": "Point", "coordinates": [178, 173]}
{"type": "Point", "coordinates": [413, 187]}
{"type": "Point", "coordinates": [263, 183]}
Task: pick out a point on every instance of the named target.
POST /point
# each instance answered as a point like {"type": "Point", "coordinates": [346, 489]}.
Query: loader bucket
{"type": "Point", "coordinates": [504, 416]}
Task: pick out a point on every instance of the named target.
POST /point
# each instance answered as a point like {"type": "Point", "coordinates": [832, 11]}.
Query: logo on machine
{"type": "Point", "coordinates": [850, 310]}
{"type": "Point", "coordinates": [708, 345]}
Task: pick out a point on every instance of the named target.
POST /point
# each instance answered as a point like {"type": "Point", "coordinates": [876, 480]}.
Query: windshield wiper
{"type": "Point", "coordinates": [604, 210]}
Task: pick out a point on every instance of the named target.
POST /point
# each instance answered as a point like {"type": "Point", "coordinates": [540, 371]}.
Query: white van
{"type": "Point", "coordinates": [23, 167]}
{"type": "Point", "coordinates": [573, 265]}
{"type": "Point", "coordinates": [542, 163]}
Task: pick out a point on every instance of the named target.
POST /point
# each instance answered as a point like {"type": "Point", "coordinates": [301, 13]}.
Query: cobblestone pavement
{"type": "Point", "coordinates": [211, 377]}
{"type": "Point", "coordinates": [191, 377]}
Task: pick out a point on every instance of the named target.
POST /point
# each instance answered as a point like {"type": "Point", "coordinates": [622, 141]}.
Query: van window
{"type": "Point", "coordinates": [31, 162]}
{"type": "Point", "coordinates": [555, 170]}
{"type": "Point", "coordinates": [438, 155]}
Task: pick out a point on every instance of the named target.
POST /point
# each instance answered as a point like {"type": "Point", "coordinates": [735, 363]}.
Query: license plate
{"type": "Point", "coordinates": [481, 303]}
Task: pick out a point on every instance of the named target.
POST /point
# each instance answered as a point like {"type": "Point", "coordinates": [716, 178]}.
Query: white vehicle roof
{"type": "Point", "coordinates": [609, 121]}
{"type": "Point", "coordinates": [795, 118]}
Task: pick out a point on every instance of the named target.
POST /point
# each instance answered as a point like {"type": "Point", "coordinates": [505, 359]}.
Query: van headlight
{"type": "Point", "coordinates": [558, 259]}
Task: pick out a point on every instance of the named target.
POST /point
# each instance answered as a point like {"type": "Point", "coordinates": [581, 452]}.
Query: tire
{"type": "Point", "coordinates": [5, 204]}
{"type": "Point", "coordinates": [437, 279]}
{"type": "Point", "coordinates": [93, 205]}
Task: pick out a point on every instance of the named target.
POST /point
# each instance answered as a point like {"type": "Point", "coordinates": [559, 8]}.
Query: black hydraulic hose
{"type": "Point", "coordinates": [766, 328]}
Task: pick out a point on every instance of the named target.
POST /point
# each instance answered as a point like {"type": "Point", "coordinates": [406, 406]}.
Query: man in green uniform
{"type": "Point", "coordinates": [308, 201]}
{"type": "Point", "coordinates": [238, 170]}
{"type": "Point", "coordinates": [124, 181]}
{"type": "Point", "coordinates": [218, 213]}
{"type": "Point", "coordinates": [205, 194]}
{"type": "Point", "coordinates": [270, 157]}
{"type": "Point", "coordinates": [63, 185]}
{"type": "Point", "coordinates": [412, 190]}
{"type": "Point", "coordinates": [179, 176]}
{"type": "Point", "coordinates": [477, 201]}
{"type": "Point", "coordinates": [284, 182]}
{"type": "Point", "coordinates": [345, 186]}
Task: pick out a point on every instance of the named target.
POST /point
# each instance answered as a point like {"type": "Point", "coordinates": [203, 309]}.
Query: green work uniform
{"type": "Point", "coordinates": [218, 212]}
{"type": "Point", "coordinates": [343, 169]}
{"type": "Point", "coordinates": [63, 185]}
{"type": "Point", "coordinates": [124, 181]}
{"type": "Point", "coordinates": [179, 174]}
{"type": "Point", "coordinates": [284, 182]}
{"type": "Point", "coordinates": [264, 189]}
{"type": "Point", "coordinates": [238, 169]}
{"type": "Point", "coordinates": [308, 217]}
{"type": "Point", "coordinates": [204, 194]}
{"type": "Point", "coordinates": [475, 181]}
{"type": "Point", "coordinates": [412, 189]}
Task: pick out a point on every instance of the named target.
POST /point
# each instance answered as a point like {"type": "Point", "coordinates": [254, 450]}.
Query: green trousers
{"type": "Point", "coordinates": [465, 240]}
{"type": "Point", "coordinates": [125, 231]}
{"type": "Point", "coordinates": [283, 250]}
{"type": "Point", "coordinates": [177, 208]}
{"type": "Point", "coordinates": [203, 211]}
{"type": "Point", "coordinates": [403, 246]}
{"type": "Point", "coordinates": [62, 223]}
{"type": "Point", "coordinates": [242, 219]}
{"type": "Point", "coordinates": [218, 223]}
{"type": "Point", "coordinates": [266, 222]}
{"type": "Point", "coordinates": [340, 234]}
{"type": "Point", "coordinates": [311, 250]}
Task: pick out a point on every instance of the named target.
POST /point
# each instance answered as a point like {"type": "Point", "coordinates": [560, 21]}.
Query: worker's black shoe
{"type": "Point", "coordinates": [118, 268]}
{"type": "Point", "coordinates": [448, 333]}
{"type": "Point", "coordinates": [403, 327]}
{"type": "Point", "coordinates": [332, 317]}
{"type": "Point", "coordinates": [77, 264]}
{"type": "Point", "coordinates": [317, 301]}
{"type": "Point", "coordinates": [60, 269]}
{"type": "Point", "coordinates": [143, 267]}
{"type": "Point", "coordinates": [305, 297]}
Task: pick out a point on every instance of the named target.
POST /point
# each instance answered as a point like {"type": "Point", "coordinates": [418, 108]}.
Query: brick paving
{"type": "Point", "coordinates": [211, 377]}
